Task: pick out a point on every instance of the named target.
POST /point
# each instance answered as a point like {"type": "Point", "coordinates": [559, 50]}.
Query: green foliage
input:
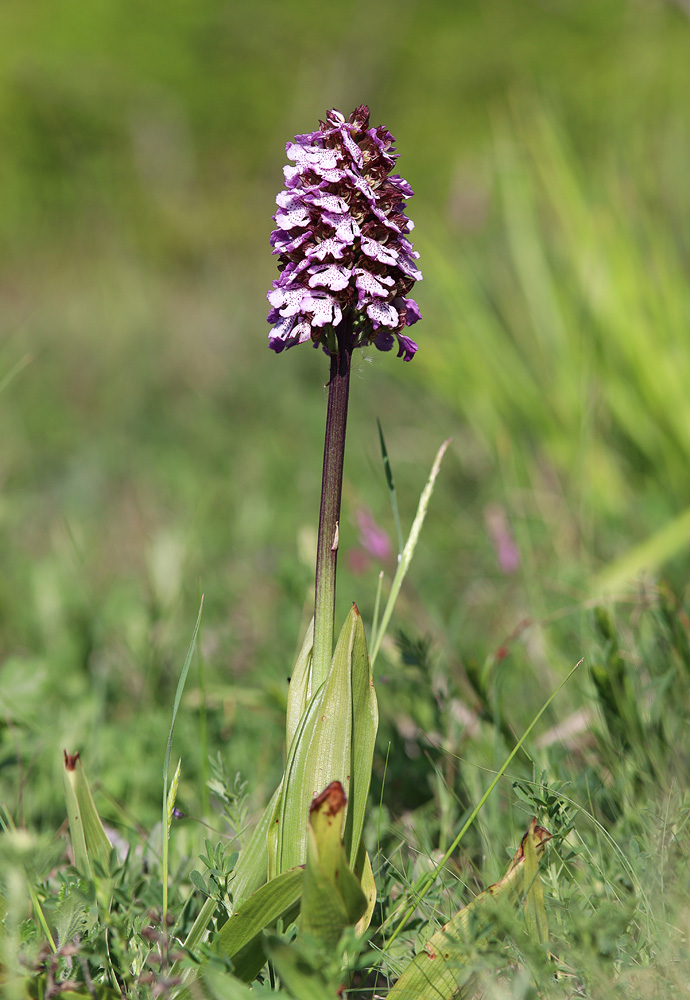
{"type": "Point", "coordinates": [581, 336]}
{"type": "Point", "coordinates": [152, 449]}
{"type": "Point", "coordinates": [219, 867]}
{"type": "Point", "coordinates": [440, 967]}
{"type": "Point", "coordinates": [241, 939]}
{"type": "Point", "coordinates": [334, 741]}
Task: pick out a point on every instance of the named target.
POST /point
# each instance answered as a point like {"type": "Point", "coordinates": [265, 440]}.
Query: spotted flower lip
{"type": "Point", "coordinates": [346, 265]}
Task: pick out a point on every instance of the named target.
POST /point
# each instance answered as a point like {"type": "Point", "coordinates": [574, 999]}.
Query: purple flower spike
{"type": "Point", "coordinates": [341, 240]}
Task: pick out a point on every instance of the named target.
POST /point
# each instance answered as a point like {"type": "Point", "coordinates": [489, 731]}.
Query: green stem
{"type": "Point", "coordinates": [329, 515]}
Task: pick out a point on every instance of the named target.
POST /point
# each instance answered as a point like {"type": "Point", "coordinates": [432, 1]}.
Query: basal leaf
{"type": "Point", "coordinates": [295, 971]}
{"type": "Point", "coordinates": [365, 721]}
{"type": "Point", "coordinates": [240, 938]}
{"type": "Point", "coordinates": [299, 691]}
{"type": "Point", "coordinates": [334, 741]}
{"type": "Point", "coordinates": [535, 911]}
{"type": "Point", "coordinates": [320, 753]}
{"type": "Point", "coordinates": [439, 970]}
{"type": "Point", "coordinates": [252, 868]}
{"type": "Point", "coordinates": [89, 839]}
{"type": "Point", "coordinates": [368, 885]}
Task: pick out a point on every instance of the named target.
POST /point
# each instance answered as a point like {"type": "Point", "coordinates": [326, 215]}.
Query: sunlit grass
{"type": "Point", "coordinates": [153, 450]}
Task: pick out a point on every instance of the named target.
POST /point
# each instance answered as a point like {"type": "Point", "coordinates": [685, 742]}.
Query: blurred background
{"type": "Point", "coordinates": [154, 449]}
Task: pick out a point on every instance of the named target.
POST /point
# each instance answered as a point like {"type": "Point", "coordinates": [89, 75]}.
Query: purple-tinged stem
{"type": "Point", "coordinates": [329, 515]}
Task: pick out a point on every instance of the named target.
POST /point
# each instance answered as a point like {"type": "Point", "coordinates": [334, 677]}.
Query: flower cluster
{"type": "Point", "coordinates": [346, 265]}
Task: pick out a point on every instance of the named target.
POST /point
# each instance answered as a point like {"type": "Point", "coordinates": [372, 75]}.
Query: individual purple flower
{"type": "Point", "coordinates": [346, 266]}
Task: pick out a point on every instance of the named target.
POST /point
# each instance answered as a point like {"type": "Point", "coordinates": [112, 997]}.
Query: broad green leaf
{"type": "Point", "coordinates": [320, 753]}
{"type": "Point", "coordinates": [273, 831]}
{"type": "Point", "coordinates": [89, 839]}
{"type": "Point", "coordinates": [218, 985]}
{"type": "Point", "coordinates": [365, 723]}
{"type": "Point", "coordinates": [535, 911]}
{"type": "Point", "coordinates": [301, 979]}
{"type": "Point", "coordinates": [439, 970]}
{"type": "Point", "coordinates": [334, 741]}
{"type": "Point", "coordinates": [70, 915]}
{"type": "Point", "coordinates": [368, 886]}
{"type": "Point", "coordinates": [299, 691]}
{"type": "Point", "coordinates": [251, 870]}
{"type": "Point", "coordinates": [331, 898]}
{"type": "Point", "coordinates": [240, 937]}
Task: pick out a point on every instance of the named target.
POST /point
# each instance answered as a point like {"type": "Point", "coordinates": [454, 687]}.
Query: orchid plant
{"type": "Point", "coordinates": [346, 270]}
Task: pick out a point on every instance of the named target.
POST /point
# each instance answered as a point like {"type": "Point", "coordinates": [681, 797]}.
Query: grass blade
{"type": "Point", "coordinates": [167, 812]}
{"type": "Point", "coordinates": [648, 556]}
{"type": "Point", "coordinates": [408, 550]}
{"type": "Point", "coordinates": [391, 488]}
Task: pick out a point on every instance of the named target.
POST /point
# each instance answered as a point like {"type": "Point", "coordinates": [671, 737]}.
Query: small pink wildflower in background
{"type": "Point", "coordinates": [374, 543]}
{"type": "Point", "coordinates": [373, 538]}
{"type": "Point", "coordinates": [501, 537]}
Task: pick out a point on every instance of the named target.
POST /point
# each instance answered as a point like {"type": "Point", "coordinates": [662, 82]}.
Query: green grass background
{"type": "Point", "coordinates": [153, 449]}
